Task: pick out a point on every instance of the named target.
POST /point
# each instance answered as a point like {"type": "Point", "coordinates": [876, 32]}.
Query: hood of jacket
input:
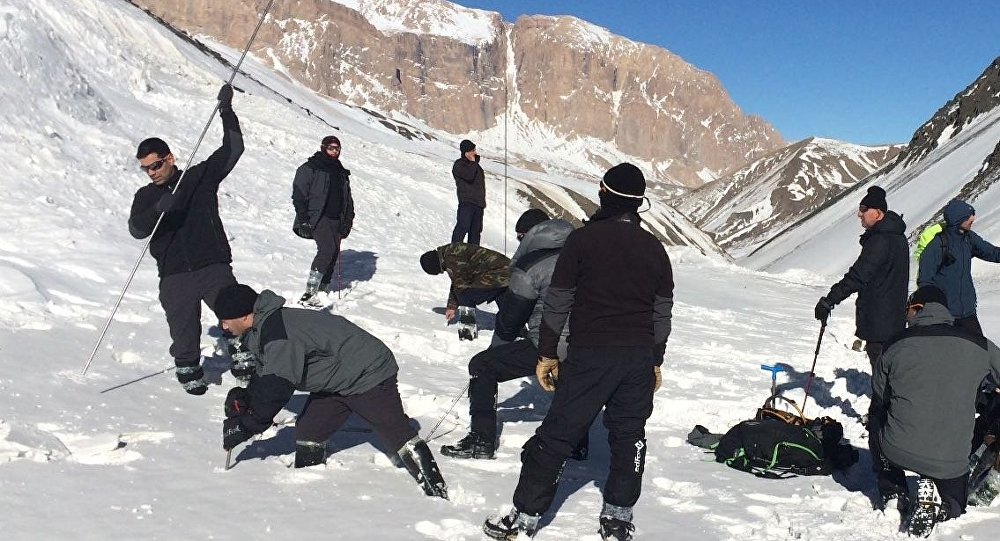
{"type": "Point", "coordinates": [544, 236]}
{"type": "Point", "coordinates": [891, 224]}
{"type": "Point", "coordinates": [933, 313]}
{"type": "Point", "coordinates": [267, 303]}
{"type": "Point", "coordinates": [956, 212]}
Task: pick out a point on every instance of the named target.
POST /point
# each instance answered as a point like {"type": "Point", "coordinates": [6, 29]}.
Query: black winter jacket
{"type": "Point", "coordinates": [190, 236]}
{"type": "Point", "coordinates": [310, 190]}
{"type": "Point", "coordinates": [470, 181]}
{"type": "Point", "coordinates": [879, 278]}
{"type": "Point", "coordinates": [614, 282]}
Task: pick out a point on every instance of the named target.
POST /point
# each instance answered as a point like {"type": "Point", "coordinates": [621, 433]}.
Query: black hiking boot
{"type": "Point", "coordinates": [419, 461]}
{"type": "Point", "coordinates": [467, 328]}
{"type": "Point", "coordinates": [883, 499]}
{"type": "Point", "coordinates": [510, 526]}
{"type": "Point", "coordinates": [926, 510]}
{"type": "Point", "coordinates": [471, 446]}
{"type": "Point", "coordinates": [617, 530]}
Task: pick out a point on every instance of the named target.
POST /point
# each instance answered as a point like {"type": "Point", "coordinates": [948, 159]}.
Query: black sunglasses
{"type": "Point", "coordinates": [332, 147]}
{"type": "Point", "coordinates": [155, 166]}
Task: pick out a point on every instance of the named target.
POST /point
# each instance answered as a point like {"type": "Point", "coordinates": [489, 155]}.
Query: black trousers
{"type": "Point", "coordinates": [971, 324]}
{"type": "Point", "coordinates": [180, 296]}
{"type": "Point", "coordinates": [891, 478]}
{"type": "Point", "coordinates": [491, 367]}
{"type": "Point", "coordinates": [327, 237]}
{"type": "Point", "coordinates": [620, 381]}
{"type": "Point", "coordinates": [874, 351]}
{"type": "Point", "coordinates": [480, 295]}
{"type": "Point", "coordinates": [380, 406]}
{"type": "Point", "coordinates": [468, 222]}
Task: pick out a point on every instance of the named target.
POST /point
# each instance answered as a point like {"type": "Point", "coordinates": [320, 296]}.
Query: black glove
{"type": "Point", "coordinates": [226, 97]}
{"type": "Point", "coordinates": [344, 232]}
{"type": "Point", "coordinates": [237, 402]}
{"type": "Point", "coordinates": [303, 228]}
{"type": "Point", "coordinates": [166, 203]}
{"type": "Point", "coordinates": [233, 433]}
{"type": "Point", "coordinates": [192, 378]}
{"type": "Point", "coordinates": [823, 308]}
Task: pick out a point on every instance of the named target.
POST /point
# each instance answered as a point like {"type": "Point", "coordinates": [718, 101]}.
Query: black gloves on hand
{"type": "Point", "coordinates": [192, 378]}
{"type": "Point", "coordinates": [302, 227]}
{"type": "Point", "coordinates": [823, 308]}
{"type": "Point", "coordinates": [236, 402]}
{"type": "Point", "coordinates": [166, 203]}
{"type": "Point", "coordinates": [226, 97]}
{"type": "Point", "coordinates": [233, 433]}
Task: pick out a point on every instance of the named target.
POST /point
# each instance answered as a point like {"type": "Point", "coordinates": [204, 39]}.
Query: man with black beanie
{"type": "Point", "coordinates": [344, 369]}
{"type": "Point", "coordinates": [470, 183]}
{"type": "Point", "coordinates": [190, 245]}
{"type": "Point", "coordinates": [324, 211]}
{"type": "Point", "coordinates": [617, 281]}
{"type": "Point", "coordinates": [878, 276]}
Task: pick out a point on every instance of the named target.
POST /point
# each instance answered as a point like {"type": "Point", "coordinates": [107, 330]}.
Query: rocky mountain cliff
{"type": "Point", "coordinates": [463, 71]}
{"type": "Point", "coordinates": [756, 202]}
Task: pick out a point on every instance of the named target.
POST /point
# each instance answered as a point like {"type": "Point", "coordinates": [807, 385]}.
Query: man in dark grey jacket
{"type": "Point", "coordinates": [511, 354]}
{"type": "Point", "coordinates": [924, 407]}
{"type": "Point", "coordinates": [470, 183]}
{"type": "Point", "coordinates": [324, 211]}
{"type": "Point", "coordinates": [343, 368]}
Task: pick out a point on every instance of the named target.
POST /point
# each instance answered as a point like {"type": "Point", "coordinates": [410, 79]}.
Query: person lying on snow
{"type": "Point", "coordinates": [343, 368]}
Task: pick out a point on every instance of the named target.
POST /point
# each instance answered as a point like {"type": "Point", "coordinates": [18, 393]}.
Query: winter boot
{"type": "Point", "coordinates": [467, 329]}
{"type": "Point", "coordinates": [312, 288]}
{"type": "Point", "coordinates": [309, 453]}
{"type": "Point", "coordinates": [926, 510]}
{"type": "Point", "coordinates": [616, 522]}
{"type": "Point", "coordinates": [987, 490]}
{"type": "Point", "coordinates": [887, 496]}
{"type": "Point", "coordinates": [244, 363]}
{"type": "Point", "coordinates": [471, 446]}
{"type": "Point", "coordinates": [509, 527]}
{"type": "Point", "coordinates": [419, 461]}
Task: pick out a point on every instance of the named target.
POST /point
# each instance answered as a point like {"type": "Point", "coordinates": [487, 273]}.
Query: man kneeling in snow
{"type": "Point", "coordinates": [343, 368]}
{"type": "Point", "coordinates": [924, 408]}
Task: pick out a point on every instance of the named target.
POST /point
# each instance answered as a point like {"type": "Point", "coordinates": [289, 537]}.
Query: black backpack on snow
{"type": "Point", "coordinates": [777, 444]}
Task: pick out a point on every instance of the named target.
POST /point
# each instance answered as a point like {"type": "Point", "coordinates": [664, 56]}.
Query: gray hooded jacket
{"type": "Point", "coordinates": [316, 351]}
{"type": "Point", "coordinates": [924, 393]}
{"type": "Point", "coordinates": [530, 273]}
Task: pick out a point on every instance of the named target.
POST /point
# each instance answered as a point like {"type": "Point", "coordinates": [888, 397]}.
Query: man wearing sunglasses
{"type": "Point", "coordinates": [878, 276]}
{"type": "Point", "coordinates": [324, 211]}
{"type": "Point", "coordinates": [190, 245]}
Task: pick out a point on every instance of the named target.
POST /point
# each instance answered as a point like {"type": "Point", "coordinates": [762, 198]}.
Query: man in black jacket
{"type": "Point", "coordinates": [617, 281]}
{"type": "Point", "coordinates": [878, 276]}
{"type": "Point", "coordinates": [190, 245]}
{"type": "Point", "coordinates": [470, 182]}
{"type": "Point", "coordinates": [324, 211]}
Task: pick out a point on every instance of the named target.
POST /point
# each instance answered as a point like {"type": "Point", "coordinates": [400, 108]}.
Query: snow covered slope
{"type": "Point", "coordinates": [83, 82]}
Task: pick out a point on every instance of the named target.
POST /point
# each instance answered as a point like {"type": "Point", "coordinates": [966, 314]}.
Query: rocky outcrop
{"type": "Point", "coordinates": [460, 70]}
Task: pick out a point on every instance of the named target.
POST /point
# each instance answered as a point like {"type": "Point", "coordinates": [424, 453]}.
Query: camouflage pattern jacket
{"type": "Point", "coordinates": [473, 267]}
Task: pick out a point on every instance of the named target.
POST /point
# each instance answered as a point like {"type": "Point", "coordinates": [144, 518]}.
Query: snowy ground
{"type": "Point", "coordinates": [84, 82]}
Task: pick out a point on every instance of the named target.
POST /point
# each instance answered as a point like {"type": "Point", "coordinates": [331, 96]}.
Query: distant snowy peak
{"type": "Point", "coordinates": [756, 202]}
{"type": "Point", "coordinates": [982, 96]}
{"type": "Point", "coordinates": [433, 17]}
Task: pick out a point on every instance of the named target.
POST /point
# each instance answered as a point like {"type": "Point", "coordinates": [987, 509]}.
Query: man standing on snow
{"type": "Point", "coordinates": [345, 369]}
{"type": "Point", "coordinates": [947, 263]}
{"type": "Point", "coordinates": [324, 211]}
{"type": "Point", "coordinates": [478, 275]}
{"type": "Point", "coordinates": [617, 281]}
{"type": "Point", "coordinates": [510, 356]}
{"type": "Point", "coordinates": [878, 276]}
{"type": "Point", "coordinates": [470, 182]}
{"type": "Point", "coordinates": [190, 245]}
{"type": "Point", "coordinates": [924, 407]}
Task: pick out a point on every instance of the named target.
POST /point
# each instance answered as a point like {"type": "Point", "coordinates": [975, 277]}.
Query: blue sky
{"type": "Point", "coordinates": [865, 72]}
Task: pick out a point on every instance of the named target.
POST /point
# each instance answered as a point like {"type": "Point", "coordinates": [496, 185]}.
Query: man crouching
{"type": "Point", "coordinates": [343, 368]}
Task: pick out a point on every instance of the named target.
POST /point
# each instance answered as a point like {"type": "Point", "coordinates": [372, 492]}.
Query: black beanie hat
{"type": "Point", "coordinates": [875, 199]}
{"type": "Point", "coordinates": [926, 294]}
{"type": "Point", "coordinates": [330, 140]}
{"type": "Point", "coordinates": [235, 301]}
{"type": "Point", "coordinates": [466, 146]}
{"type": "Point", "coordinates": [625, 180]}
{"type": "Point", "coordinates": [529, 219]}
{"type": "Point", "coordinates": [431, 262]}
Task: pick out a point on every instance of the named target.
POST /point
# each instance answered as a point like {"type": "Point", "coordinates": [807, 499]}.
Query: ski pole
{"type": "Point", "coordinates": [441, 420]}
{"type": "Point", "coordinates": [138, 379]}
{"type": "Point", "coordinates": [812, 371]}
{"type": "Point", "coordinates": [187, 167]}
{"type": "Point", "coordinates": [340, 269]}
